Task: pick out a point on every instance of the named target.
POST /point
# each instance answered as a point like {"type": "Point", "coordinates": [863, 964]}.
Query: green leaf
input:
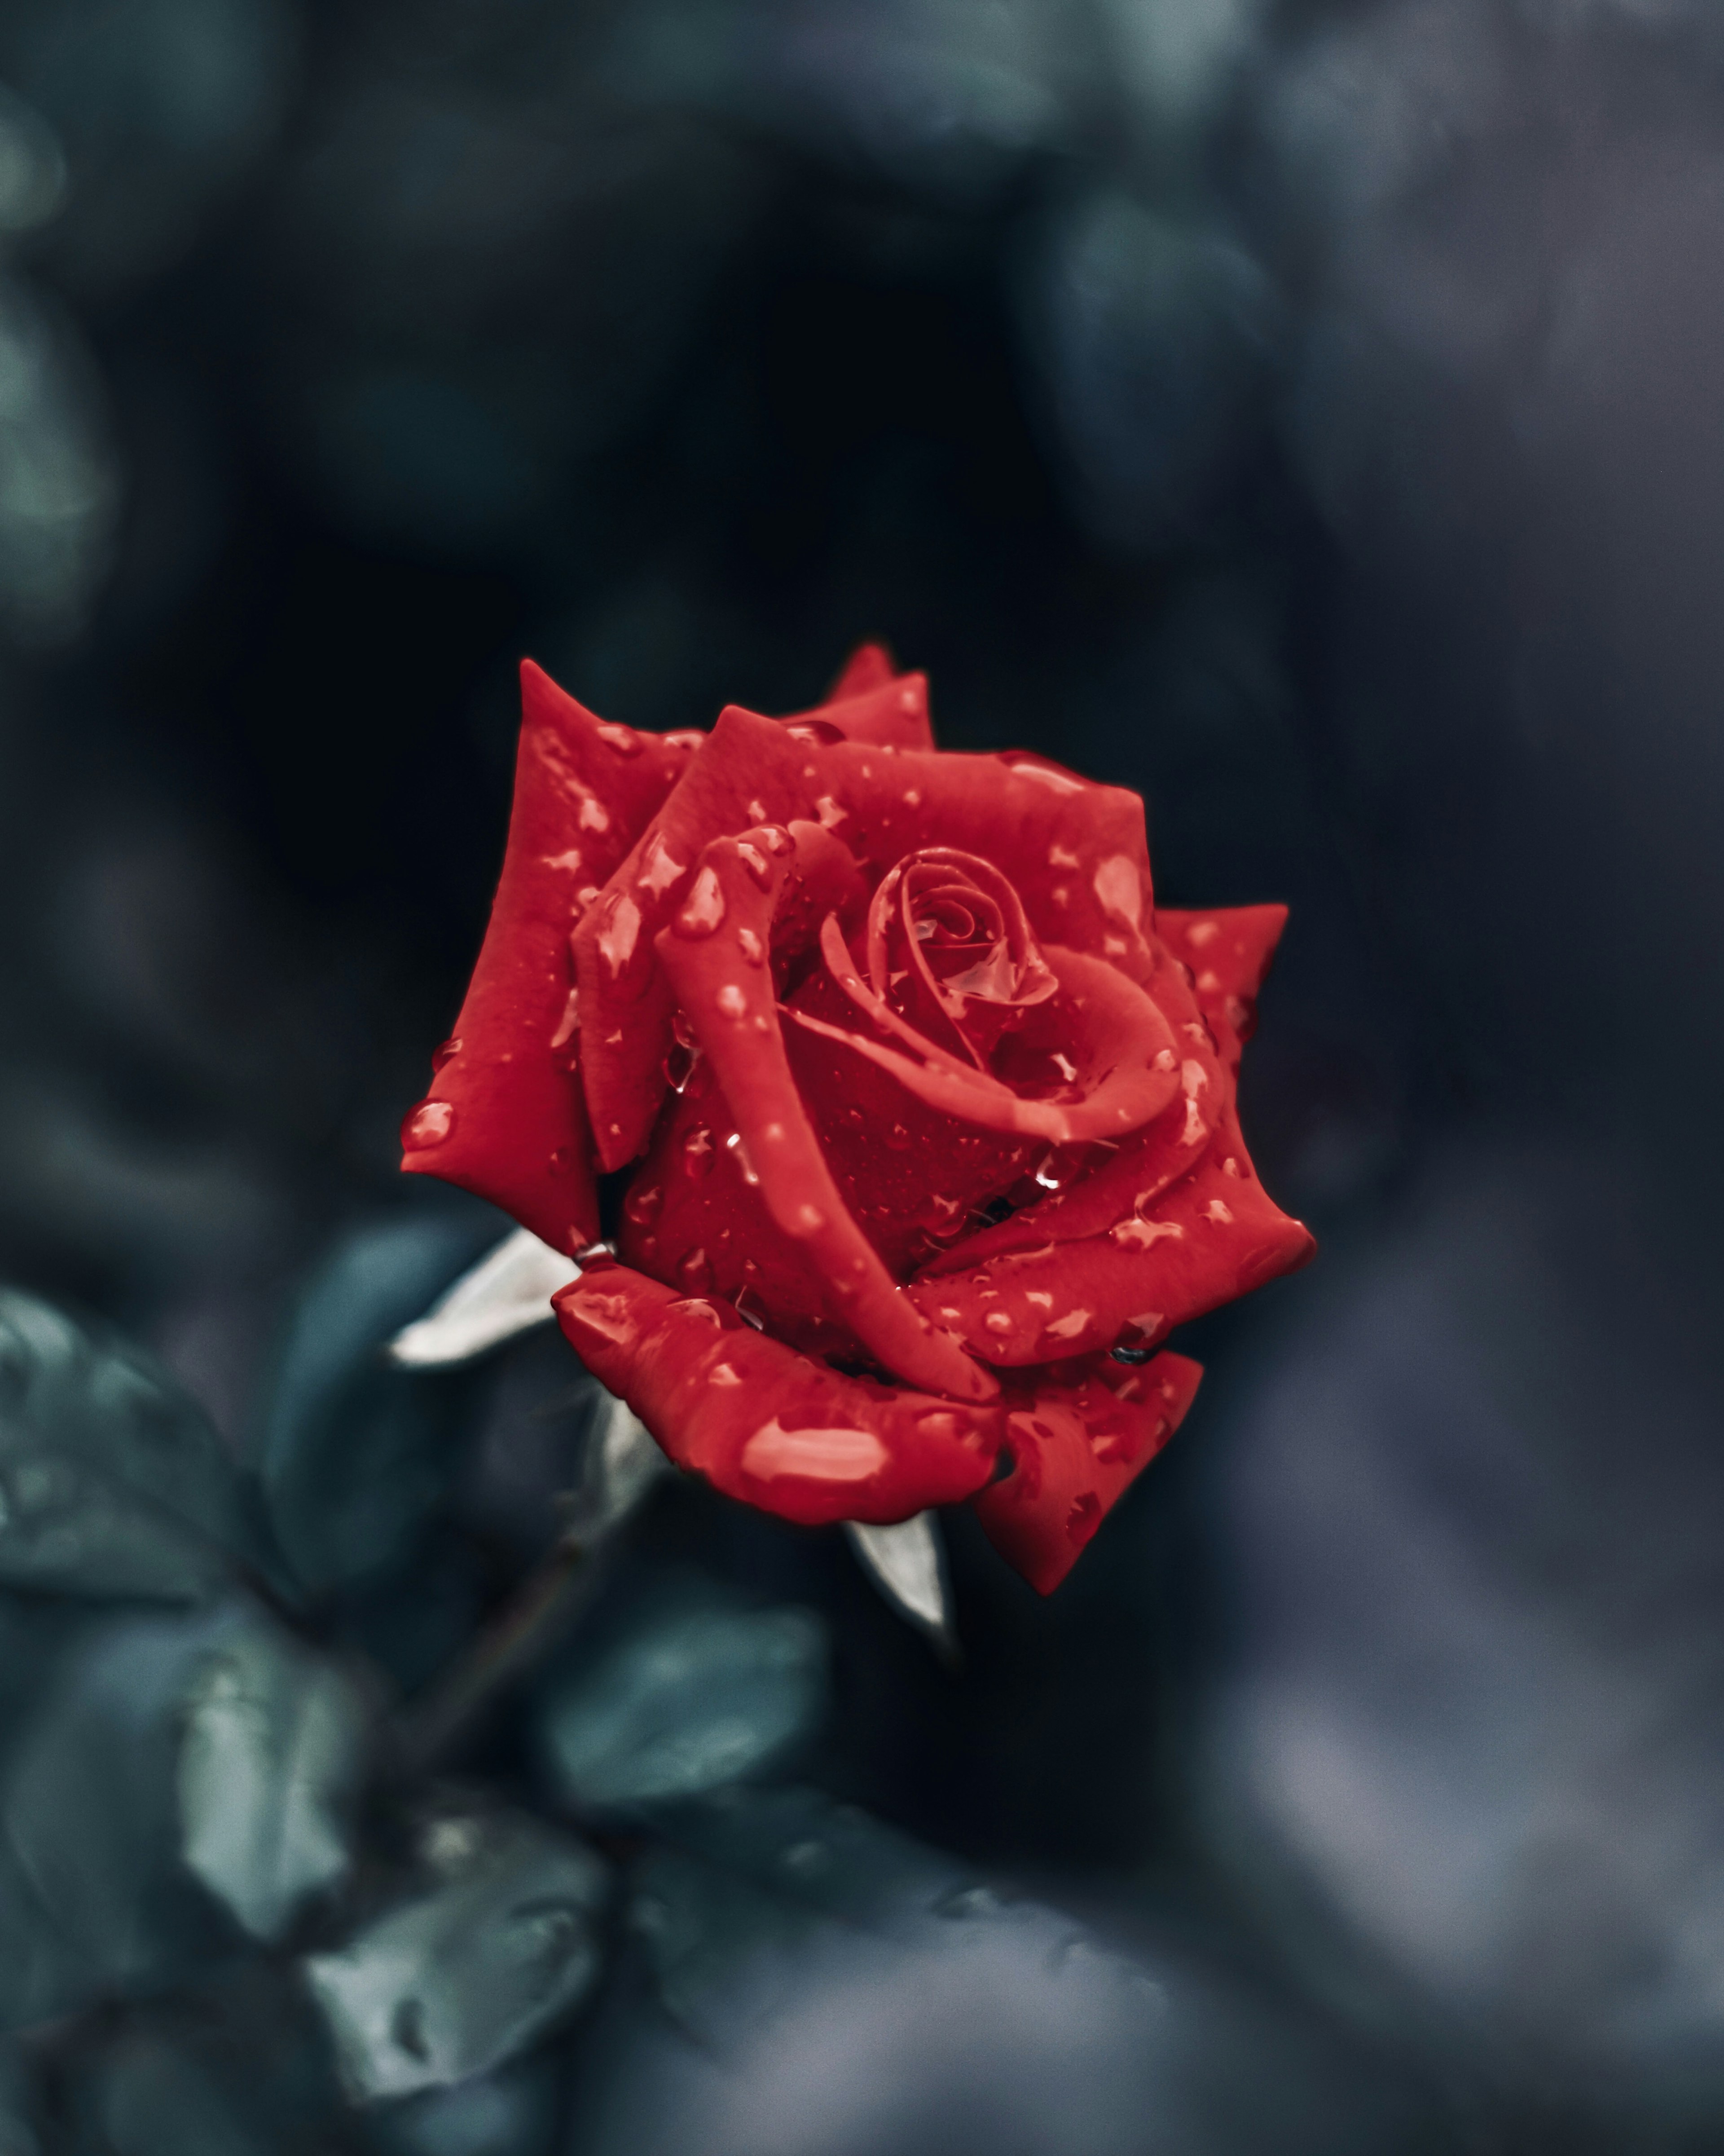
{"type": "Point", "coordinates": [689, 1700]}
{"type": "Point", "coordinates": [355, 1452]}
{"type": "Point", "coordinates": [498, 1945]}
{"type": "Point", "coordinates": [181, 1763]}
{"type": "Point", "coordinates": [113, 1483]}
{"type": "Point", "coordinates": [272, 1746]}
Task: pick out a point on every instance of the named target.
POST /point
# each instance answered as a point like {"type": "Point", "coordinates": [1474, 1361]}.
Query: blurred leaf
{"type": "Point", "coordinates": [20, 2102]}
{"type": "Point", "coordinates": [354, 1452]}
{"type": "Point", "coordinates": [145, 2098]}
{"type": "Point", "coordinates": [686, 1701]}
{"type": "Point", "coordinates": [128, 1768]}
{"type": "Point", "coordinates": [515, 2113]}
{"type": "Point", "coordinates": [112, 1480]}
{"type": "Point", "coordinates": [268, 1766]}
{"type": "Point", "coordinates": [468, 1973]}
{"type": "Point", "coordinates": [698, 1924]}
{"type": "Point", "coordinates": [238, 2067]}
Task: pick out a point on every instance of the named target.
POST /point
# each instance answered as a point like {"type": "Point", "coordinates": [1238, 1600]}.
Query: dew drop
{"type": "Point", "coordinates": [697, 1153]}
{"type": "Point", "coordinates": [705, 911]}
{"type": "Point", "coordinates": [731, 1001]}
{"type": "Point", "coordinates": [445, 1052]}
{"type": "Point", "coordinates": [751, 1309]}
{"type": "Point", "coordinates": [643, 1204]}
{"type": "Point", "coordinates": [752, 949]}
{"type": "Point", "coordinates": [569, 1024]}
{"type": "Point", "coordinates": [755, 862]}
{"type": "Point", "coordinates": [733, 1144]}
{"type": "Point", "coordinates": [686, 1037]}
{"type": "Point", "coordinates": [696, 1272]}
{"type": "Point", "coordinates": [775, 837]}
{"type": "Point", "coordinates": [618, 927]}
{"type": "Point", "coordinates": [898, 1138]}
{"type": "Point", "coordinates": [562, 1159]}
{"type": "Point", "coordinates": [996, 1320]}
{"type": "Point", "coordinates": [429, 1125]}
{"type": "Point", "coordinates": [678, 1067]}
{"type": "Point", "coordinates": [810, 1218]}
{"type": "Point", "coordinates": [621, 740]}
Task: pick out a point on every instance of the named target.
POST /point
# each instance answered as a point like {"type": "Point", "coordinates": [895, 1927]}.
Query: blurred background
{"type": "Point", "coordinates": [1310, 413]}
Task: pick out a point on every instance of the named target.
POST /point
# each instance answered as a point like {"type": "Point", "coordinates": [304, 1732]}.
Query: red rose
{"type": "Point", "coordinates": [930, 1113]}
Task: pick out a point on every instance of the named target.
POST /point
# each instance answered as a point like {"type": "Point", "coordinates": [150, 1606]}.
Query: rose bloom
{"type": "Point", "coordinates": [923, 1113]}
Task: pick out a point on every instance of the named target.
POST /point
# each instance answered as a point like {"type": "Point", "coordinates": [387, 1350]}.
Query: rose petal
{"type": "Point", "coordinates": [1228, 953]}
{"type": "Point", "coordinates": [765, 1423]}
{"type": "Point", "coordinates": [1075, 852]}
{"type": "Point", "coordinates": [505, 1117]}
{"type": "Point", "coordinates": [1214, 1235]}
{"type": "Point", "coordinates": [731, 1003]}
{"type": "Point", "coordinates": [911, 1179]}
{"type": "Point", "coordinates": [869, 666]}
{"type": "Point", "coordinates": [1122, 1040]}
{"type": "Point", "coordinates": [893, 712]}
{"type": "Point", "coordinates": [1076, 1445]}
{"type": "Point", "coordinates": [1146, 1161]}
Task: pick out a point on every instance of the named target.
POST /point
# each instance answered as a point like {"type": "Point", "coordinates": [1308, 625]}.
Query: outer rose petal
{"type": "Point", "coordinates": [1228, 953]}
{"type": "Point", "coordinates": [765, 1423]}
{"type": "Point", "coordinates": [713, 955]}
{"type": "Point", "coordinates": [1215, 1236]}
{"type": "Point", "coordinates": [869, 666]}
{"type": "Point", "coordinates": [893, 712]}
{"type": "Point", "coordinates": [505, 1117]}
{"type": "Point", "coordinates": [1075, 852]}
{"type": "Point", "coordinates": [1077, 1445]}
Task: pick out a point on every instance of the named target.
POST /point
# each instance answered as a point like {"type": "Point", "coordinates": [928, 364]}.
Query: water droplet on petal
{"type": "Point", "coordinates": [697, 1153]}
{"type": "Point", "coordinates": [810, 1218]}
{"type": "Point", "coordinates": [753, 950]}
{"type": "Point", "coordinates": [756, 863]}
{"type": "Point", "coordinates": [897, 1138]}
{"type": "Point", "coordinates": [678, 1067]}
{"type": "Point", "coordinates": [446, 1051]}
{"type": "Point", "coordinates": [705, 911]}
{"type": "Point", "coordinates": [429, 1125]}
{"type": "Point", "coordinates": [622, 741]}
{"type": "Point", "coordinates": [643, 1204]}
{"type": "Point", "coordinates": [618, 927]}
{"type": "Point", "coordinates": [996, 1320]}
{"type": "Point", "coordinates": [562, 1159]}
{"type": "Point", "coordinates": [775, 837]}
{"type": "Point", "coordinates": [731, 1001]}
{"type": "Point", "coordinates": [696, 1272]}
{"type": "Point", "coordinates": [733, 1144]}
{"type": "Point", "coordinates": [751, 1309]}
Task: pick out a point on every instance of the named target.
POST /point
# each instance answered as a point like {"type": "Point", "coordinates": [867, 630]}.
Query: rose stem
{"type": "Point", "coordinates": [522, 1629]}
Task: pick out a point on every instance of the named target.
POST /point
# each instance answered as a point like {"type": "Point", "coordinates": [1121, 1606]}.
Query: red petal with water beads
{"type": "Point", "coordinates": [1077, 1445]}
{"type": "Point", "coordinates": [1127, 1073]}
{"type": "Point", "coordinates": [506, 1117]}
{"type": "Point", "coordinates": [1227, 953]}
{"type": "Point", "coordinates": [708, 957]}
{"type": "Point", "coordinates": [765, 1423]}
{"type": "Point", "coordinates": [1213, 1236]}
{"type": "Point", "coordinates": [1074, 852]}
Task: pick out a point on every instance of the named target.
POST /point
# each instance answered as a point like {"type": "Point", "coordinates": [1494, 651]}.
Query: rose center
{"type": "Point", "coordinates": [951, 950]}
